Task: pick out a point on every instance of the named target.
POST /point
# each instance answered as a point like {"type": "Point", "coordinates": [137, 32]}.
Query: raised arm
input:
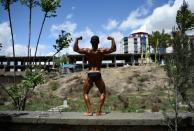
{"type": "Point", "coordinates": [113, 46]}
{"type": "Point", "coordinates": [76, 47]}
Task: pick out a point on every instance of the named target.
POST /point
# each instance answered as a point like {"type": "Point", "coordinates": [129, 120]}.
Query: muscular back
{"type": "Point", "coordinates": [94, 59]}
{"type": "Point", "coordinates": [95, 55]}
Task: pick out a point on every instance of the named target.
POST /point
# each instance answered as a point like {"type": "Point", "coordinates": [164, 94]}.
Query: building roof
{"type": "Point", "coordinates": [138, 33]}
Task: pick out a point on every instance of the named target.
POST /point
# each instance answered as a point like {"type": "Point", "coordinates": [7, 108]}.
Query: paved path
{"type": "Point", "coordinates": [77, 118]}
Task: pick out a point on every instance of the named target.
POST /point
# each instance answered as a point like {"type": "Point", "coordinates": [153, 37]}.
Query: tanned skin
{"type": "Point", "coordinates": [94, 56]}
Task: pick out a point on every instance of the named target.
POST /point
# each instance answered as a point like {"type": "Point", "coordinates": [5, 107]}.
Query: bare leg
{"type": "Point", "coordinates": [87, 87]}
{"type": "Point", "coordinates": [101, 86]}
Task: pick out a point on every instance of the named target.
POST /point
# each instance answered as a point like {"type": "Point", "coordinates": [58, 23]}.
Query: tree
{"type": "Point", "coordinates": [180, 63]}
{"type": "Point", "coordinates": [49, 8]}
{"type": "Point", "coordinates": [20, 93]}
{"type": "Point", "coordinates": [62, 42]}
{"type": "Point", "coordinates": [61, 59]}
{"type": "Point", "coordinates": [6, 4]}
{"type": "Point", "coordinates": [183, 51]}
{"type": "Point", "coordinates": [30, 4]}
{"type": "Point", "coordinates": [159, 40]}
{"type": "Point", "coordinates": [184, 18]}
{"type": "Point", "coordinates": [164, 40]}
{"type": "Point", "coordinates": [153, 40]}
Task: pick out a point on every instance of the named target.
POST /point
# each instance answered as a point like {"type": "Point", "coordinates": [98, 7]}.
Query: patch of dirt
{"type": "Point", "coordinates": [118, 81]}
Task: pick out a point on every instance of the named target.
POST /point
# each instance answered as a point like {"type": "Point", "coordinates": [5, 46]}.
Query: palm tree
{"type": "Point", "coordinates": [147, 55]}
{"type": "Point", "coordinates": [153, 40]}
{"type": "Point", "coordinates": [49, 8]}
{"type": "Point", "coordinates": [164, 40]}
{"type": "Point", "coordinates": [159, 40]}
{"type": "Point", "coordinates": [6, 4]}
{"type": "Point", "coordinates": [30, 4]}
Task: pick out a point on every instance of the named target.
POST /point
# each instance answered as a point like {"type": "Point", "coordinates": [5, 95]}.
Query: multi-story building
{"type": "Point", "coordinates": [134, 43]}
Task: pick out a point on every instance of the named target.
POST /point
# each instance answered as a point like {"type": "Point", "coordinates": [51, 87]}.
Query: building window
{"type": "Point", "coordinates": [125, 43]}
{"type": "Point", "coordinates": [125, 40]}
{"type": "Point", "coordinates": [143, 43]}
{"type": "Point", "coordinates": [125, 49]}
{"type": "Point", "coordinates": [135, 48]}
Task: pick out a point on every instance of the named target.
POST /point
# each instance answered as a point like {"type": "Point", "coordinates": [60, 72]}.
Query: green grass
{"type": "Point", "coordinates": [6, 107]}
{"type": "Point", "coordinates": [41, 104]}
{"type": "Point", "coordinates": [44, 104]}
{"type": "Point", "coordinates": [112, 103]}
{"type": "Point", "coordinates": [132, 103]}
{"type": "Point", "coordinates": [75, 105]}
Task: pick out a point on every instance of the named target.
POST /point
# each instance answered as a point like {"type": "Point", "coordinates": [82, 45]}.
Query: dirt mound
{"type": "Point", "coordinates": [119, 81]}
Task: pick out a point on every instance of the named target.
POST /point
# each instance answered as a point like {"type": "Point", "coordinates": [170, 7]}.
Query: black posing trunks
{"type": "Point", "coordinates": [94, 76]}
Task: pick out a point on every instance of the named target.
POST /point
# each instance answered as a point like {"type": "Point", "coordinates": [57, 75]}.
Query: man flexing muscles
{"type": "Point", "coordinates": [94, 56]}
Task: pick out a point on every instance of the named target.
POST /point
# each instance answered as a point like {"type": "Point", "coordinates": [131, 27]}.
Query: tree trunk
{"type": "Point", "coordinates": [29, 39]}
{"type": "Point", "coordinates": [23, 106]}
{"type": "Point", "coordinates": [40, 35]}
{"type": "Point", "coordinates": [13, 45]}
{"type": "Point", "coordinates": [10, 95]}
{"type": "Point", "coordinates": [176, 107]}
{"type": "Point", "coordinates": [156, 52]}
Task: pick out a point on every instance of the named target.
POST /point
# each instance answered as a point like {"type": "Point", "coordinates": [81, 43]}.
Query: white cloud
{"type": "Point", "coordinates": [69, 16]}
{"type": "Point", "coordinates": [104, 43]}
{"type": "Point", "coordinates": [5, 35]}
{"type": "Point", "coordinates": [43, 50]}
{"type": "Point", "coordinates": [134, 20]}
{"type": "Point", "coordinates": [86, 33]}
{"type": "Point", "coordinates": [68, 26]}
{"type": "Point", "coordinates": [68, 51]}
{"type": "Point", "coordinates": [20, 50]}
{"type": "Point", "coordinates": [117, 35]}
{"type": "Point", "coordinates": [110, 25]}
{"type": "Point", "coordinates": [50, 53]}
{"type": "Point", "coordinates": [163, 17]}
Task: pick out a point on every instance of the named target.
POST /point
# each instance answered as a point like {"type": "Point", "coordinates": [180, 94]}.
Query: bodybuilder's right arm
{"type": "Point", "coordinates": [76, 47]}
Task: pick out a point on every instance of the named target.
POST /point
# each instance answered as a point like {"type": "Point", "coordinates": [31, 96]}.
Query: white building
{"type": "Point", "coordinates": [135, 43]}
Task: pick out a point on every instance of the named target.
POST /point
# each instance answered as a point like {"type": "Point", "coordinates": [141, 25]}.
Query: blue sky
{"type": "Point", "coordinates": [86, 18]}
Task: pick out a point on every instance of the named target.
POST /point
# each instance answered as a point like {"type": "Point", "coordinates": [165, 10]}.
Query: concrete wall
{"type": "Point", "coordinates": [73, 121]}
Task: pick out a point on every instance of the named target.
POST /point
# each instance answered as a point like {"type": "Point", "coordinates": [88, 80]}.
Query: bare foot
{"type": "Point", "coordinates": [88, 114]}
{"type": "Point", "coordinates": [100, 114]}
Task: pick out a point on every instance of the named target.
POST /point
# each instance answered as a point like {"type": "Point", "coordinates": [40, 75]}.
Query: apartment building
{"type": "Point", "coordinates": [134, 43]}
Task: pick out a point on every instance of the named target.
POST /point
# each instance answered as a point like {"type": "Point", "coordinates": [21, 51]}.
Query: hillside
{"type": "Point", "coordinates": [131, 89]}
{"type": "Point", "coordinates": [121, 80]}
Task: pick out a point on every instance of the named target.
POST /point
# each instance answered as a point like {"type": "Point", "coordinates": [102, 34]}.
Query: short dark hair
{"type": "Point", "coordinates": [94, 39]}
